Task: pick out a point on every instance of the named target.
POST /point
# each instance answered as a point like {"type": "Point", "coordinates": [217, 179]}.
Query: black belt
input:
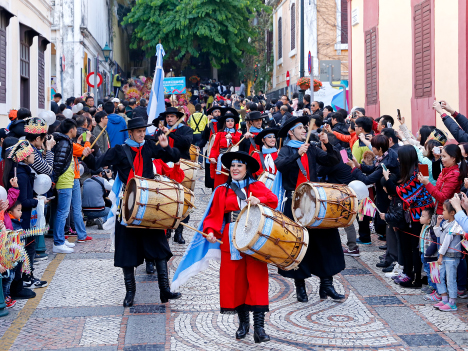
{"type": "Point", "coordinates": [223, 150]}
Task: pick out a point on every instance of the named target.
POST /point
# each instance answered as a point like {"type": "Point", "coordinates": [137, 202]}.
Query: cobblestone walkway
{"type": "Point", "coordinates": [81, 309]}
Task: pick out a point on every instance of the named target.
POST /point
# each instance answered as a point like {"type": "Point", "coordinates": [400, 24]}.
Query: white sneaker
{"type": "Point", "coordinates": [62, 249]}
{"type": "Point", "coordinates": [68, 244]}
{"type": "Point", "coordinates": [397, 270]}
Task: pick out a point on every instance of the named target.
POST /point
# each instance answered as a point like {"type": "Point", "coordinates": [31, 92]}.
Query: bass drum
{"type": "Point", "coordinates": [153, 203]}
{"type": "Point", "coordinates": [190, 173]}
{"type": "Point", "coordinates": [268, 179]}
{"type": "Point", "coordinates": [194, 151]}
{"type": "Point", "coordinates": [270, 237]}
{"type": "Point", "coordinates": [189, 196]}
{"type": "Point", "coordinates": [324, 205]}
{"type": "Point", "coordinates": [210, 144]}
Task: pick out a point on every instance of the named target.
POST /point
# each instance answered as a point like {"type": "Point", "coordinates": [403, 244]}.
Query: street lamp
{"type": "Point", "coordinates": [106, 50]}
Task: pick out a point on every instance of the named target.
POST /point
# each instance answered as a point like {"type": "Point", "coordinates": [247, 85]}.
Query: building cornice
{"type": "Point", "coordinates": [38, 13]}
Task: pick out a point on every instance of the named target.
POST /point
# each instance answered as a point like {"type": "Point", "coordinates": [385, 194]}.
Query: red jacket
{"type": "Point", "coordinates": [175, 173]}
{"type": "Point", "coordinates": [447, 185]}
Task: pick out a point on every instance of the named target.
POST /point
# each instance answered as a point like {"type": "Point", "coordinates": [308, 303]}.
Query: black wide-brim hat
{"type": "Point", "coordinates": [253, 116]}
{"type": "Point", "coordinates": [210, 110]}
{"type": "Point", "coordinates": [283, 132]}
{"type": "Point", "coordinates": [169, 111]}
{"type": "Point", "coordinates": [259, 137]}
{"type": "Point", "coordinates": [252, 164]}
{"type": "Point", "coordinates": [136, 123]}
{"type": "Point", "coordinates": [228, 113]}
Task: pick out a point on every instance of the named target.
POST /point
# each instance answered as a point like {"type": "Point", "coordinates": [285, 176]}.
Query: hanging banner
{"type": "Point", "coordinates": [174, 85]}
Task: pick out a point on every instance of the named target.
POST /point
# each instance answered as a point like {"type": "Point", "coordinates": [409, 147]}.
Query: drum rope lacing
{"type": "Point", "coordinates": [338, 203]}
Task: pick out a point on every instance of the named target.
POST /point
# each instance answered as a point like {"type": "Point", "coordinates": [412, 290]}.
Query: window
{"type": "Point", "coordinates": [422, 50]}
{"type": "Point", "coordinates": [41, 72]}
{"type": "Point", "coordinates": [371, 67]}
{"type": "Point", "coordinates": [344, 22]}
{"type": "Point", "coordinates": [4, 20]}
{"type": "Point", "coordinates": [280, 40]}
{"type": "Point", "coordinates": [293, 26]}
{"type": "Point", "coordinates": [269, 45]}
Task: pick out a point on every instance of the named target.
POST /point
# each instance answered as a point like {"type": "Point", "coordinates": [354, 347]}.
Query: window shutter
{"type": "Point", "coordinates": [3, 48]}
{"type": "Point", "coordinates": [293, 26]}
{"type": "Point", "coordinates": [280, 40]}
{"type": "Point", "coordinates": [41, 80]}
{"type": "Point", "coordinates": [422, 49]}
{"type": "Point", "coordinates": [344, 22]}
{"type": "Point", "coordinates": [269, 38]}
{"type": "Point", "coordinates": [371, 67]}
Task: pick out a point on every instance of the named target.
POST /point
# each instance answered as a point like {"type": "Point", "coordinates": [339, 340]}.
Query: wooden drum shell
{"type": "Point", "coordinates": [190, 173]}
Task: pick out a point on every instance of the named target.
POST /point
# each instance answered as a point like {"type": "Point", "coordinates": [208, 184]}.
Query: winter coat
{"type": "Point", "coordinates": [63, 153]}
{"type": "Point", "coordinates": [395, 216]}
{"type": "Point", "coordinates": [341, 128]}
{"type": "Point", "coordinates": [458, 127]}
{"type": "Point", "coordinates": [447, 185]}
{"type": "Point", "coordinates": [26, 194]}
{"type": "Point", "coordinates": [115, 124]}
{"type": "Point", "coordinates": [140, 111]}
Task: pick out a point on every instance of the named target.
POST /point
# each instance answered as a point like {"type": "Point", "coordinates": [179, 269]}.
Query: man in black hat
{"type": "Point", "coordinates": [297, 162]}
{"type": "Point", "coordinates": [254, 126]}
{"type": "Point", "coordinates": [134, 245]}
{"type": "Point", "coordinates": [181, 136]}
{"type": "Point", "coordinates": [209, 135]}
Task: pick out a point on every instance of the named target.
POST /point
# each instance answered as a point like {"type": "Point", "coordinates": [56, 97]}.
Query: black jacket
{"type": "Point", "coordinates": [26, 195]}
{"type": "Point", "coordinates": [63, 154]}
{"type": "Point", "coordinates": [458, 127]}
{"type": "Point", "coordinates": [140, 111]}
{"type": "Point", "coordinates": [395, 216]}
{"type": "Point", "coordinates": [277, 116]}
{"type": "Point", "coordinates": [342, 128]}
{"type": "Point", "coordinates": [182, 138]}
{"type": "Point", "coordinates": [287, 165]}
{"type": "Point", "coordinates": [337, 174]}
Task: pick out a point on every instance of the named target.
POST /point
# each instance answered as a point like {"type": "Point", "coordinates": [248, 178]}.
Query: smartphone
{"type": "Point", "coordinates": [344, 156]}
{"type": "Point", "coordinates": [384, 167]}
{"type": "Point", "coordinates": [84, 136]}
{"type": "Point", "coordinates": [436, 150]}
{"type": "Point", "coordinates": [389, 125]}
{"type": "Point", "coordinates": [424, 169]}
{"type": "Point", "coordinates": [398, 114]}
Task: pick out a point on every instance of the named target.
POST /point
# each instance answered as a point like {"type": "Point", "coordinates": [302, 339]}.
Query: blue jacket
{"type": "Point", "coordinates": [114, 126]}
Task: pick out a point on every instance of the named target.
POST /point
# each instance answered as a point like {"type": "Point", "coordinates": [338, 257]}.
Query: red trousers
{"type": "Point", "coordinates": [243, 284]}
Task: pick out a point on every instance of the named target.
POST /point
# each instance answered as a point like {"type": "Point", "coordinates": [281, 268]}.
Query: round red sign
{"type": "Point", "coordinates": [92, 74]}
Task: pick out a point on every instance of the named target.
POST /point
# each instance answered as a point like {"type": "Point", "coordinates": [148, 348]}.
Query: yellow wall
{"type": "Point", "coordinates": [446, 53]}
{"type": "Point", "coordinates": [395, 58]}
{"type": "Point", "coordinates": [357, 59]}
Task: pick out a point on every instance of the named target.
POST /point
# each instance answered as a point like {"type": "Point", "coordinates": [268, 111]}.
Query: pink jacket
{"type": "Point", "coordinates": [12, 196]}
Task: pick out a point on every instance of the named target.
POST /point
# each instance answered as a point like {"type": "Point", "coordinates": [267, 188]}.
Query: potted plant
{"type": "Point", "coordinates": [304, 83]}
{"type": "Point", "coordinates": [317, 85]}
{"type": "Point", "coordinates": [194, 79]}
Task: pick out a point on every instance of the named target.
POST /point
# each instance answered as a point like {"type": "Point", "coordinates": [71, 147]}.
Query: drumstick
{"type": "Point", "coordinates": [94, 142]}
{"type": "Point", "coordinates": [170, 130]}
{"type": "Point", "coordinates": [248, 212]}
{"type": "Point", "coordinates": [205, 235]}
{"type": "Point", "coordinates": [236, 144]}
{"type": "Point", "coordinates": [199, 154]}
{"type": "Point", "coordinates": [311, 124]}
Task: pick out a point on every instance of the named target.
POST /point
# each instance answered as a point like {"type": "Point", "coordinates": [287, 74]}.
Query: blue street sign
{"type": "Point", "coordinates": [174, 85]}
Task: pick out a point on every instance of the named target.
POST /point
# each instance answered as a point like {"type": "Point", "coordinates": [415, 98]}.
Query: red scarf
{"type": "Point", "coordinates": [305, 162]}
{"type": "Point", "coordinates": [137, 164]}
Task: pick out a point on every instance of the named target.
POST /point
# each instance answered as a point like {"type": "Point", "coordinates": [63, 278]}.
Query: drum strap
{"type": "Point", "coordinates": [252, 142]}
{"type": "Point", "coordinates": [240, 194]}
{"type": "Point", "coordinates": [301, 167]}
{"type": "Point", "coordinates": [212, 128]}
{"type": "Point", "coordinates": [128, 153]}
{"type": "Point", "coordinates": [262, 160]}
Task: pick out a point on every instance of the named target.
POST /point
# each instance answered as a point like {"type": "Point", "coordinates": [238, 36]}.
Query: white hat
{"type": "Point", "coordinates": [116, 100]}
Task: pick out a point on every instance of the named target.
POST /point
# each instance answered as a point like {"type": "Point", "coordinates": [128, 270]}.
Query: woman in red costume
{"type": "Point", "coordinates": [268, 153]}
{"type": "Point", "coordinates": [227, 136]}
{"type": "Point", "coordinates": [243, 280]}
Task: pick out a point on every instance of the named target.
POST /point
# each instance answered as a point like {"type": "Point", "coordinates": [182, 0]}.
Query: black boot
{"type": "Point", "coordinates": [178, 235]}
{"type": "Point", "coordinates": [259, 324]}
{"type": "Point", "coordinates": [130, 286]}
{"type": "Point", "coordinates": [163, 282]}
{"type": "Point", "coordinates": [301, 292]}
{"type": "Point", "coordinates": [244, 324]}
{"type": "Point", "coordinates": [168, 233]}
{"type": "Point", "coordinates": [149, 267]}
{"type": "Point", "coordinates": [327, 289]}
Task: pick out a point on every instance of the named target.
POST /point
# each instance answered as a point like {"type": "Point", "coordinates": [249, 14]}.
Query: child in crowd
{"type": "Point", "coordinates": [428, 248]}
{"type": "Point", "coordinates": [449, 258]}
{"type": "Point", "coordinates": [14, 213]}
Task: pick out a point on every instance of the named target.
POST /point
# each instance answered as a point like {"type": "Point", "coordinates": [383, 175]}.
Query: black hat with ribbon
{"type": "Point", "coordinates": [136, 123]}
{"type": "Point", "coordinates": [244, 157]}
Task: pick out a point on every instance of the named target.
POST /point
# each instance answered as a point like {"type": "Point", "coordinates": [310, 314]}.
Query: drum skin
{"type": "Point", "coordinates": [268, 179]}
{"type": "Point", "coordinates": [190, 171]}
{"type": "Point", "coordinates": [194, 150]}
{"type": "Point", "coordinates": [152, 203]}
{"type": "Point", "coordinates": [276, 238]}
{"type": "Point", "coordinates": [324, 205]}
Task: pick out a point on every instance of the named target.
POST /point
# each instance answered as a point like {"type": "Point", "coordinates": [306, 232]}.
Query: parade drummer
{"type": "Point", "coordinates": [297, 163]}
{"type": "Point", "coordinates": [255, 120]}
{"type": "Point", "coordinates": [226, 137]}
{"type": "Point", "coordinates": [268, 153]}
{"type": "Point", "coordinates": [214, 113]}
{"type": "Point", "coordinates": [134, 245]}
{"type": "Point", "coordinates": [181, 138]}
{"type": "Point", "coordinates": [243, 280]}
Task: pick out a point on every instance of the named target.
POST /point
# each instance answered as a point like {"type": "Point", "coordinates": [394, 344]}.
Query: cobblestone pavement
{"type": "Point", "coordinates": [81, 309]}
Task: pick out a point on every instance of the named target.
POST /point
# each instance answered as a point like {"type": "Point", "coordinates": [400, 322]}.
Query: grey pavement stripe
{"type": "Point", "coordinates": [92, 348]}
{"type": "Point", "coordinates": [148, 309]}
{"type": "Point", "coordinates": [383, 300]}
{"type": "Point", "coordinates": [61, 312]}
{"type": "Point", "coordinates": [146, 329]}
{"type": "Point", "coordinates": [368, 285]}
{"type": "Point", "coordinates": [154, 347]}
{"type": "Point", "coordinates": [411, 323]}
{"type": "Point", "coordinates": [90, 255]}
{"type": "Point", "coordinates": [354, 271]}
{"type": "Point", "coordinates": [461, 338]}
{"type": "Point", "coordinates": [432, 339]}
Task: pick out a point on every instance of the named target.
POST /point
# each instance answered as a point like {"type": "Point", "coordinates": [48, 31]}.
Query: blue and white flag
{"type": "Point", "coordinates": [197, 256]}
{"type": "Point", "coordinates": [156, 103]}
{"type": "Point", "coordinates": [114, 196]}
